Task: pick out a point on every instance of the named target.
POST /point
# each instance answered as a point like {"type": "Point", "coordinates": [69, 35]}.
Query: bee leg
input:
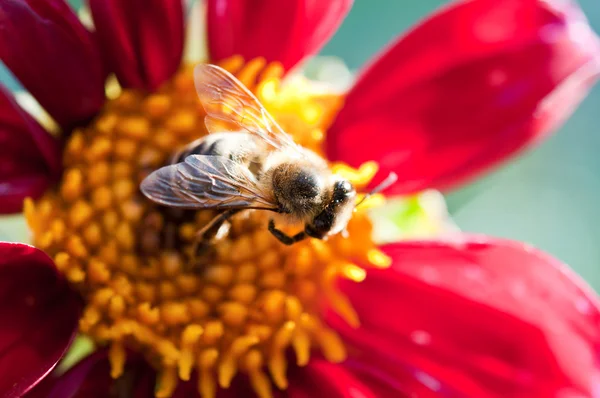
{"type": "Point", "coordinates": [204, 237]}
{"type": "Point", "coordinates": [283, 237]}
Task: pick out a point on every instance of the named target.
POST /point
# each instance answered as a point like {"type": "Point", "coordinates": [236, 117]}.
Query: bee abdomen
{"type": "Point", "coordinates": [235, 146]}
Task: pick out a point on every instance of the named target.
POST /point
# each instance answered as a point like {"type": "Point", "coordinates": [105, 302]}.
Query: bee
{"type": "Point", "coordinates": [248, 162]}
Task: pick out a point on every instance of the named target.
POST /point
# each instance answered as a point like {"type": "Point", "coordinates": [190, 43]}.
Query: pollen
{"type": "Point", "coordinates": [247, 309]}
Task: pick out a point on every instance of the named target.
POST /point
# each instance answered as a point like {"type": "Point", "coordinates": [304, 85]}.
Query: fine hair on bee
{"type": "Point", "coordinates": [248, 162]}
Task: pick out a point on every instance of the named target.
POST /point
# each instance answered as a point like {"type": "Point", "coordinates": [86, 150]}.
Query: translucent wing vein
{"type": "Point", "coordinates": [231, 106]}
{"type": "Point", "coordinates": [206, 182]}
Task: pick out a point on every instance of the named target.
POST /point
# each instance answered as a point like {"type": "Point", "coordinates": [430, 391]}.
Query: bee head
{"type": "Point", "coordinates": [337, 212]}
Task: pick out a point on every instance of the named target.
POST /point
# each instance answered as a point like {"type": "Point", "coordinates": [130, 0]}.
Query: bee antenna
{"type": "Point", "coordinates": [386, 183]}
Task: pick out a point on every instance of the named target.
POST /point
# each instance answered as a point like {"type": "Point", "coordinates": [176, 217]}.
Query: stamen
{"type": "Point", "coordinates": [167, 383]}
{"type": "Point", "coordinates": [189, 338]}
{"type": "Point", "coordinates": [207, 386]}
{"type": "Point", "coordinates": [259, 380]}
{"type": "Point", "coordinates": [116, 356]}
{"type": "Point", "coordinates": [331, 345]}
{"type": "Point", "coordinates": [252, 302]}
{"type": "Point", "coordinates": [378, 259]}
{"type": "Point", "coordinates": [301, 344]}
{"type": "Point", "coordinates": [360, 177]}
{"type": "Point", "coordinates": [354, 272]}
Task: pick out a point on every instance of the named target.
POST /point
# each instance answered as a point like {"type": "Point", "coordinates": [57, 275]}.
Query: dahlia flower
{"type": "Point", "coordinates": [467, 316]}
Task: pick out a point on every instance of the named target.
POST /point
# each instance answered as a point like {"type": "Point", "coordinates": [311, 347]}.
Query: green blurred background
{"type": "Point", "coordinates": [548, 197]}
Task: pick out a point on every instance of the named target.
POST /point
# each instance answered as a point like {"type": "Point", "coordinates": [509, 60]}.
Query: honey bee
{"type": "Point", "coordinates": [248, 162]}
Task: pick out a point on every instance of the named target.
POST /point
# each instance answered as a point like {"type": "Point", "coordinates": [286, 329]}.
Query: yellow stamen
{"type": "Point", "coordinates": [331, 345]}
{"type": "Point", "coordinates": [301, 344]}
{"type": "Point", "coordinates": [189, 338]}
{"type": "Point", "coordinates": [378, 259]}
{"type": "Point", "coordinates": [167, 383]}
{"type": "Point", "coordinates": [116, 356]}
{"type": "Point", "coordinates": [359, 177]}
{"type": "Point", "coordinates": [254, 301]}
{"type": "Point", "coordinates": [259, 380]}
{"type": "Point", "coordinates": [354, 272]}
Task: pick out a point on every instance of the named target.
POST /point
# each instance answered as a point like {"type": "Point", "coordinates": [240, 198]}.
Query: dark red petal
{"type": "Point", "coordinates": [90, 378]}
{"type": "Point", "coordinates": [478, 317]}
{"type": "Point", "coordinates": [284, 31]}
{"type": "Point", "coordinates": [53, 55]}
{"type": "Point", "coordinates": [29, 156]}
{"type": "Point", "coordinates": [467, 88]}
{"type": "Point", "coordinates": [141, 39]}
{"type": "Point", "coordinates": [39, 315]}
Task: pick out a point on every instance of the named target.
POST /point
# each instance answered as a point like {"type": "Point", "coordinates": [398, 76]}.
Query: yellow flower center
{"type": "Point", "coordinates": [129, 258]}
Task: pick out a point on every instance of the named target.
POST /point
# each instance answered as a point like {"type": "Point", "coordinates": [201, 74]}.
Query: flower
{"type": "Point", "coordinates": [471, 316]}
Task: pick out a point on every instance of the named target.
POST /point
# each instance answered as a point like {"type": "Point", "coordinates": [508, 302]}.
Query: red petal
{"type": "Point", "coordinates": [29, 156]}
{"type": "Point", "coordinates": [481, 317]}
{"type": "Point", "coordinates": [467, 88]}
{"type": "Point", "coordinates": [40, 317]}
{"type": "Point", "coordinates": [52, 54]}
{"type": "Point", "coordinates": [90, 378]}
{"type": "Point", "coordinates": [142, 39]}
{"type": "Point", "coordinates": [284, 31]}
{"type": "Point", "coordinates": [325, 379]}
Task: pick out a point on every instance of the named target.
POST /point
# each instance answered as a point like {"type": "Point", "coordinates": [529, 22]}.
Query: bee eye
{"type": "Point", "coordinates": [341, 190]}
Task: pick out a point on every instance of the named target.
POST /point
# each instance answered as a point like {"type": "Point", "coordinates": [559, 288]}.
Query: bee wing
{"type": "Point", "coordinates": [206, 182]}
{"type": "Point", "coordinates": [230, 105]}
